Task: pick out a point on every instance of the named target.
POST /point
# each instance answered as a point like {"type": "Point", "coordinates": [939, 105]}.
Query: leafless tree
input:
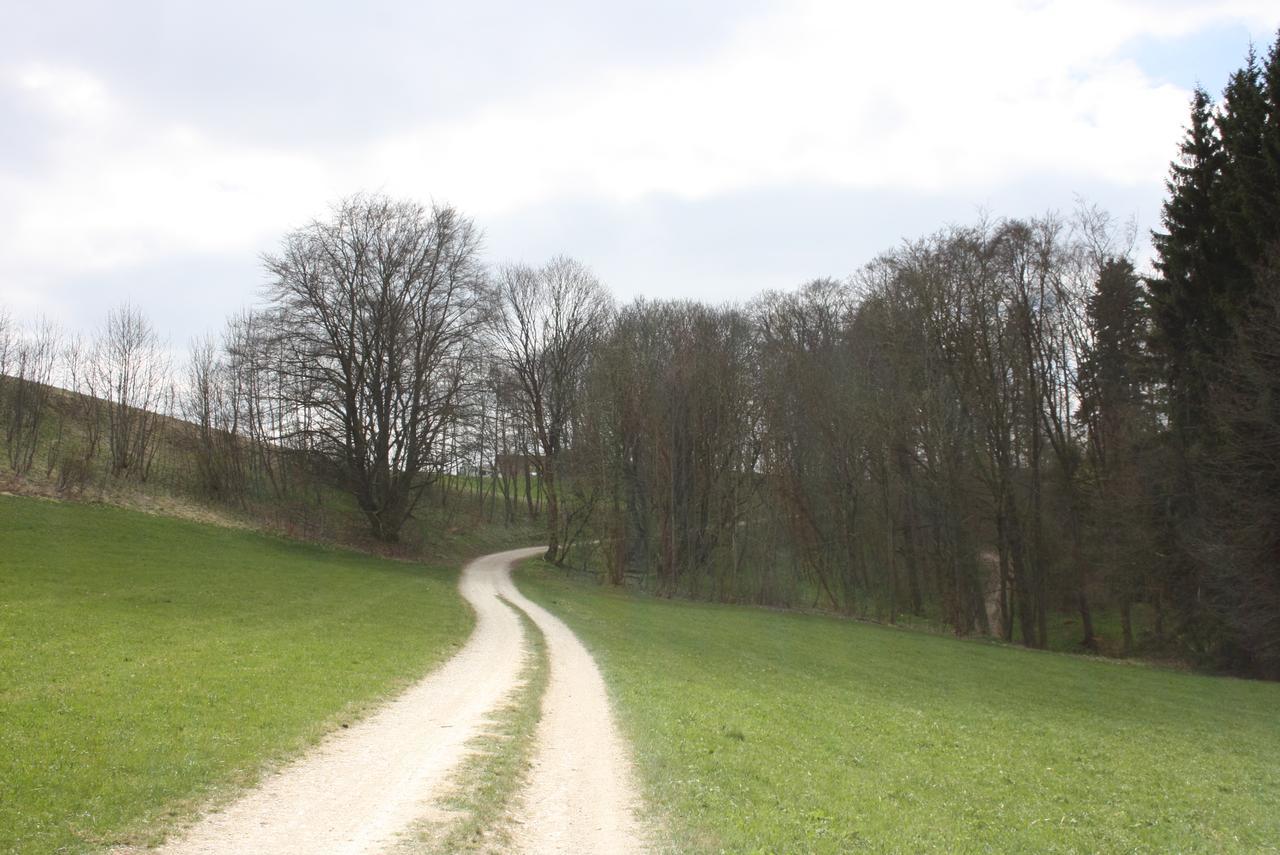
{"type": "Point", "coordinates": [129, 371]}
{"type": "Point", "coordinates": [543, 329]}
{"type": "Point", "coordinates": [376, 310]}
{"type": "Point", "coordinates": [74, 453]}
{"type": "Point", "coordinates": [6, 341]}
{"type": "Point", "coordinates": [209, 404]}
{"type": "Point", "coordinates": [32, 357]}
{"type": "Point", "coordinates": [815, 451]}
{"type": "Point", "coordinates": [669, 439]}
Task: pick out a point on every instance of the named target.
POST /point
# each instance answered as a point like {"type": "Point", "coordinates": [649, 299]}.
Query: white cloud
{"type": "Point", "coordinates": [67, 93]}
{"type": "Point", "coordinates": [125, 187]}
{"type": "Point", "coordinates": [919, 96]}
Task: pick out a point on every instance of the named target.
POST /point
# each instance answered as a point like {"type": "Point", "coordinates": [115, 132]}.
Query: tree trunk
{"type": "Point", "coordinates": [1090, 641]}
{"type": "Point", "coordinates": [1126, 625]}
{"type": "Point", "coordinates": [547, 481]}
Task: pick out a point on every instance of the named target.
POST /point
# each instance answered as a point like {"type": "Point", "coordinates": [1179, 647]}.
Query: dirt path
{"type": "Point", "coordinates": [582, 794]}
{"type": "Point", "coordinates": [364, 785]}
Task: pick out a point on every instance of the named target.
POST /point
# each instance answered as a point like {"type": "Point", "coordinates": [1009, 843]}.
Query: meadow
{"type": "Point", "coordinates": [149, 664]}
{"type": "Point", "coordinates": [766, 731]}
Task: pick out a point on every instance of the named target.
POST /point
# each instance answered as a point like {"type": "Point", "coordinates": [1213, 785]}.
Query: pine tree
{"type": "Point", "coordinates": [1116, 410]}
{"type": "Point", "coordinates": [1236, 539]}
{"type": "Point", "coordinates": [1270, 193]}
{"type": "Point", "coordinates": [1216, 332]}
{"type": "Point", "coordinates": [1190, 328]}
{"type": "Point", "coordinates": [1244, 191]}
{"type": "Point", "coordinates": [1193, 255]}
{"type": "Point", "coordinates": [1115, 370]}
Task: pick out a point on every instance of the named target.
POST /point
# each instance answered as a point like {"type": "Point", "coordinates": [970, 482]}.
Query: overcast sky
{"type": "Point", "coordinates": [153, 151]}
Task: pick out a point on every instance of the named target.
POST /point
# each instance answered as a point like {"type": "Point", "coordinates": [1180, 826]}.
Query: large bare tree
{"type": "Point", "coordinates": [376, 307]}
{"type": "Point", "coordinates": [543, 328]}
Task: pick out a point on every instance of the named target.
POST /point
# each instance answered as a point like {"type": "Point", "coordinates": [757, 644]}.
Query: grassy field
{"type": "Point", "coordinates": [760, 731]}
{"type": "Point", "coordinates": [147, 663]}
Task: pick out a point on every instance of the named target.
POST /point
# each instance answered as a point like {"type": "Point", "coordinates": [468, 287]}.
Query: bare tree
{"type": "Point", "coordinates": [209, 403]}
{"type": "Point", "coordinates": [814, 438]}
{"type": "Point", "coordinates": [79, 437]}
{"type": "Point", "coordinates": [129, 371]}
{"type": "Point", "coordinates": [6, 342]}
{"type": "Point", "coordinates": [543, 328]}
{"type": "Point", "coordinates": [31, 357]}
{"type": "Point", "coordinates": [265, 407]}
{"type": "Point", "coordinates": [376, 309]}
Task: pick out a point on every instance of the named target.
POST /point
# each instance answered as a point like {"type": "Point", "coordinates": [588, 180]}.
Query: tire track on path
{"type": "Point", "coordinates": [361, 786]}
{"type": "Point", "coordinates": [582, 795]}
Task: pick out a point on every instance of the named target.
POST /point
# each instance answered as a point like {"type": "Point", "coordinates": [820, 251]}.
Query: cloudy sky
{"type": "Point", "coordinates": [152, 151]}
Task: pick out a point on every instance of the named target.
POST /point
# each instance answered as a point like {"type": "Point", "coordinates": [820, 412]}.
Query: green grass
{"type": "Point", "coordinates": [761, 731]}
{"type": "Point", "coordinates": [148, 664]}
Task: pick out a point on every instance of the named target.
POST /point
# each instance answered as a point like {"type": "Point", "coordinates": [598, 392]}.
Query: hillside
{"type": "Point", "coordinates": [276, 490]}
{"type": "Point", "coordinates": [766, 731]}
{"type": "Point", "coordinates": [151, 662]}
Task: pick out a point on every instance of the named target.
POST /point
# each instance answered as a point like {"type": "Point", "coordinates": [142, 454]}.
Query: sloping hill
{"type": "Point", "coordinates": [764, 731]}
{"type": "Point", "coordinates": [150, 662]}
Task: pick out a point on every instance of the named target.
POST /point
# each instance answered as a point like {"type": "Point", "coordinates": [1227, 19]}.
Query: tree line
{"type": "Point", "coordinates": [988, 427]}
{"type": "Point", "coordinates": [983, 429]}
{"type": "Point", "coordinates": [124, 391]}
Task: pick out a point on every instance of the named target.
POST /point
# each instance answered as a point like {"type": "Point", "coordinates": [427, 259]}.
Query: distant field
{"type": "Point", "coordinates": [760, 731]}
{"type": "Point", "coordinates": [147, 663]}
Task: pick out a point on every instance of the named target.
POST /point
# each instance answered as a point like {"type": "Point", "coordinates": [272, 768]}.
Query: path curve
{"type": "Point", "coordinates": [582, 795]}
{"type": "Point", "coordinates": [363, 786]}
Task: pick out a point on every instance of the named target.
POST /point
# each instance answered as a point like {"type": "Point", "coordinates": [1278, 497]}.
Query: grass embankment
{"type": "Point", "coordinates": [147, 663]}
{"type": "Point", "coordinates": [759, 731]}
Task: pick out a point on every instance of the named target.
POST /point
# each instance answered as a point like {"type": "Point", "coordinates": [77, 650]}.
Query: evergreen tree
{"type": "Point", "coordinates": [1270, 193]}
{"type": "Point", "coordinates": [1244, 191]}
{"type": "Point", "coordinates": [1115, 371]}
{"type": "Point", "coordinates": [1190, 321]}
{"type": "Point", "coordinates": [1116, 410]}
{"type": "Point", "coordinates": [1236, 538]}
{"type": "Point", "coordinates": [1215, 332]}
